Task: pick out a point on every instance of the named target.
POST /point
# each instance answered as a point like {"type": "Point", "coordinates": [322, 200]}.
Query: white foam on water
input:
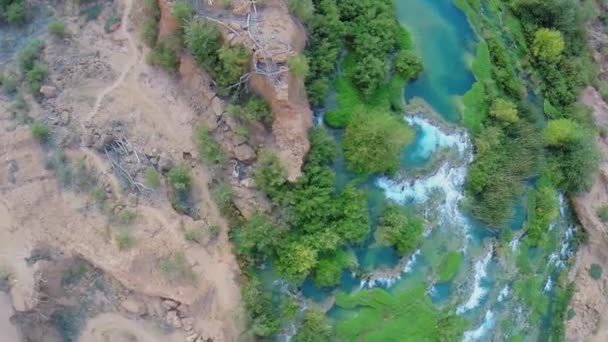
{"type": "Point", "coordinates": [514, 244]}
{"type": "Point", "coordinates": [477, 334]}
{"type": "Point", "coordinates": [433, 138]}
{"type": "Point", "coordinates": [503, 293]}
{"type": "Point", "coordinates": [479, 291]}
{"type": "Point", "coordinates": [562, 205]}
{"type": "Point", "coordinates": [411, 261]}
{"type": "Point", "coordinates": [553, 258]}
{"type": "Point", "coordinates": [548, 285]}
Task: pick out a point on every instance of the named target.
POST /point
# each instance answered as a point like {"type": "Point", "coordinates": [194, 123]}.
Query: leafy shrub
{"type": "Point", "coordinates": [149, 33]}
{"type": "Point", "coordinates": [595, 271]}
{"type": "Point", "coordinates": [29, 55]}
{"type": "Point", "coordinates": [561, 132]}
{"type": "Point", "coordinates": [373, 142]}
{"type": "Point", "coordinates": [113, 20]}
{"type": "Point", "coordinates": [182, 11]}
{"type": "Point", "coordinates": [57, 28]}
{"type": "Point", "coordinates": [194, 235]}
{"type": "Point", "coordinates": [40, 131]}
{"type": "Point", "coordinates": [124, 240]}
{"type": "Point", "coordinates": [226, 64]}
{"type": "Point", "coordinates": [150, 27]}
{"type": "Point", "coordinates": [208, 148]}
{"type": "Point", "coordinates": [36, 76]}
{"type": "Point", "coordinates": [298, 65]}
{"type": "Point", "coordinates": [504, 110]}
{"type": "Point", "coordinates": [548, 45]}
{"type": "Point", "coordinates": [315, 328]}
{"type": "Point", "coordinates": [126, 216]}
{"type": "Point", "coordinates": [9, 84]}
{"type": "Point", "coordinates": [302, 9]}
{"type": "Point", "coordinates": [15, 12]}
{"type": "Point", "coordinates": [602, 213]}
{"type": "Point", "coordinates": [262, 314]}
{"type": "Point", "coordinates": [255, 110]}
{"type": "Point", "coordinates": [92, 12]}
{"type": "Point", "coordinates": [99, 195]}
{"type": "Point", "coordinates": [222, 196]}
{"type": "Point", "coordinates": [214, 231]}
{"type": "Point", "coordinates": [165, 55]}
{"type": "Point", "coordinates": [270, 174]}
{"type": "Point", "coordinates": [180, 178]}
{"type": "Point", "coordinates": [398, 230]}
{"type": "Point", "coordinates": [152, 178]}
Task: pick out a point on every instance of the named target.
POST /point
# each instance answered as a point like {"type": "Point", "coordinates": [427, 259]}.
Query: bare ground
{"type": "Point", "coordinates": [103, 82]}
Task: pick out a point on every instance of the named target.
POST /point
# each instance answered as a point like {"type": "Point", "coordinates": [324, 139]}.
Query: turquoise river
{"type": "Point", "coordinates": [484, 290]}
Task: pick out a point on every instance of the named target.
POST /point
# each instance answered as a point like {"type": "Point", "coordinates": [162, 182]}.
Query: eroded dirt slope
{"type": "Point", "coordinates": [102, 95]}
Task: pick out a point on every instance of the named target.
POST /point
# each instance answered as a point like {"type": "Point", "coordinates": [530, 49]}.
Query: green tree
{"type": "Point", "coordinates": [180, 177]}
{"type": "Point", "coordinates": [398, 230]}
{"type": "Point", "coordinates": [315, 328]}
{"type": "Point", "coordinates": [40, 131]}
{"type": "Point", "coordinates": [203, 40]}
{"type": "Point", "coordinates": [57, 28]}
{"type": "Point", "coordinates": [258, 238]}
{"type": "Point", "coordinates": [269, 175]}
{"type": "Point", "coordinates": [504, 110]}
{"type": "Point", "coordinates": [561, 132]}
{"type": "Point", "coordinates": [548, 45]}
{"type": "Point", "coordinates": [302, 9]}
{"type": "Point", "coordinates": [298, 65]}
{"type": "Point", "coordinates": [373, 142]}
{"type": "Point", "coordinates": [295, 261]}
{"type": "Point", "coordinates": [408, 65]}
{"type": "Point", "coordinates": [36, 76]}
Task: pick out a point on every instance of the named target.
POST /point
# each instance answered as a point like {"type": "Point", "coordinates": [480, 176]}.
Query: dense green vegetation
{"type": "Point", "coordinates": [315, 328]}
{"type": "Point", "coordinates": [508, 129]}
{"type": "Point", "coordinates": [225, 64]}
{"type": "Point", "coordinates": [370, 32]}
{"type": "Point", "coordinates": [33, 70]}
{"type": "Point", "coordinates": [398, 229]}
{"type": "Point", "coordinates": [180, 180]}
{"type": "Point", "coordinates": [373, 142]}
{"type": "Point", "coordinates": [406, 316]}
{"type": "Point", "coordinates": [13, 11]}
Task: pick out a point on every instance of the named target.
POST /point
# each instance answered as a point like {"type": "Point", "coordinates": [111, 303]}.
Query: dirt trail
{"type": "Point", "coordinates": [132, 60]}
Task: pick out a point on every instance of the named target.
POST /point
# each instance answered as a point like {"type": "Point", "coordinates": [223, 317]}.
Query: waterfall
{"type": "Point", "coordinates": [478, 291]}
{"type": "Point", "coordinates": [486, 325]}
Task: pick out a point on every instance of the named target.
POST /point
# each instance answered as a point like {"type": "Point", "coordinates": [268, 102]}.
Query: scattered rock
{"type": "Point", "coordinates": [244, 153]}
{"type": "Point", "coordinates": [173, 320]}
{"type": "Point", "coordinates": [183, 310]}
{"type": "Point", "coordinates": [192, 338]}
{"type": "Point", "coordinates": [217, 106]}
{"type": "Point", "coordinates": [248, 183]}
{"type": "Point", "coordinates": [164, 162]}
{"type": "Point", "coordinates": [188, 323]}
{"type": "Point", "coordinates": [170, 304]}
{"type": "Point", "coordinates": [133, 306]}
{"type": "Point", "coordinates": [48, 91]}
